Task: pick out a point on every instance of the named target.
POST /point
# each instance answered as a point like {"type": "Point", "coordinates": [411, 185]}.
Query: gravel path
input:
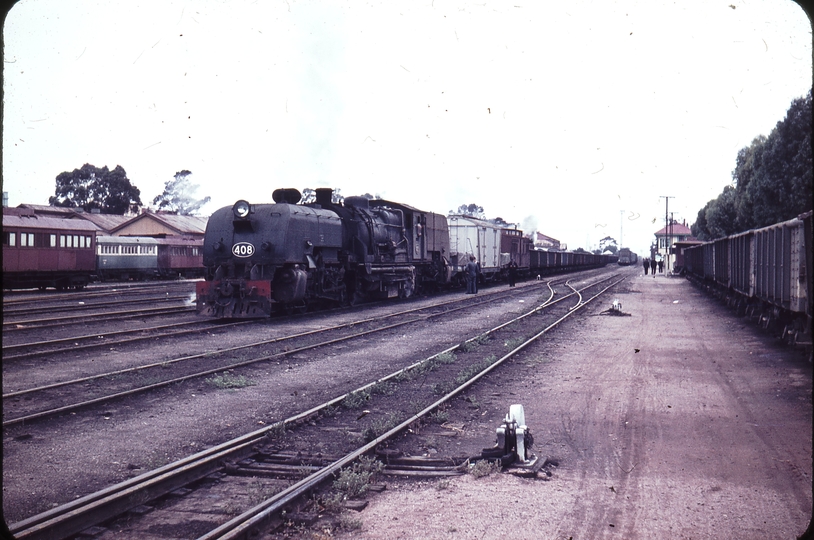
{"type": "Point", "coordinates": [679, 421]}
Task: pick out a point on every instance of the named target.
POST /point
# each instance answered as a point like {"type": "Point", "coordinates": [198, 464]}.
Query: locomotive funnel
{"type": "Point", "coordinates": [286, 195]}
{"type": "Point", "coordinates": [324, 196]}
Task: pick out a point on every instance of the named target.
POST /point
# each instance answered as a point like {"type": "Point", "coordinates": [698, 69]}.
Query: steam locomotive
{"type": "Point", "coordinates": [265, 257]}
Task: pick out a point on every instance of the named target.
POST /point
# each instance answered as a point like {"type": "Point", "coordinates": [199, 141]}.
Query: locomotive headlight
{"type": "Point", "coordinates": [241, 209]}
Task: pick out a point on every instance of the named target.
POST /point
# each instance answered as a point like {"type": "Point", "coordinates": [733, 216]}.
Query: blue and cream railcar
{"type": "Point", "coordinates": [42, 252]}
{"type": "Point", "coordinates": [123, 258]}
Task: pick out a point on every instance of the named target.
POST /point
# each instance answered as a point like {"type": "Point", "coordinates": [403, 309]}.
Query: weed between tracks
{"type": "Point", "coordinates": [513, 343]}
{"type": "Point", "coordinates": [484, 467]}
{"type": "Point", "coordinates": [352, 482]}
{"type": "Point", "coordinates": [355, 400]}
{"type": "Point", "coordinates": [379, 427]}
{"type": "Point", "coordinates": [229, 380]}
{"type": "Point", "coordinates": [474, 369]}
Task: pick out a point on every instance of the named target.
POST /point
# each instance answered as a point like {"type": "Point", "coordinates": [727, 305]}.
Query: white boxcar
{"type": "Point", "coordinates": [471, 236]}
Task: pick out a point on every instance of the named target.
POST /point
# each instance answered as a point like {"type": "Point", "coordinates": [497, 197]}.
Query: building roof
{"type": "Point", "coordinates": [179, 225]}
{"type": "Point", "coordinates": [46, 210]}
{"type": "Point", "coordinates": [679, 229]}
{"type": "Point", "coordinates": [33, 221]}
{"type": "Point", "coordinates": [105, 222]}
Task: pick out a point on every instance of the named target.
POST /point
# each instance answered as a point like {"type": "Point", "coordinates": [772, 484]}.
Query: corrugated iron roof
{"type": "Point", "coordinates": [106, 222]}
{"type": "Point", "coordinates": [181, 224]}
{"type": "Point", "coordinates": [43, 222]}
{"type": "Point", "coordinates": [678, 229]}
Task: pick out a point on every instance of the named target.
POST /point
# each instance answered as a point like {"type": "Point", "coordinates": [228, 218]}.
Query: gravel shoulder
{"type": "Point", "coordinates": [678, 421]}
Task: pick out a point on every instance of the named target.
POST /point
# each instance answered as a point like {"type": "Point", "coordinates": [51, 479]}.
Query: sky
{"type": "Point", "coordinates": [575, 118]}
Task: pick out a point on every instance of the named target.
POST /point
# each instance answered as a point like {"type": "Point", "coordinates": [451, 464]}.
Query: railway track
{"type": "Point", "coordinates": [30, 404]}
{"type": "Point", "coordinates": [294, 473]}
{"type": "Point", "coordinates": [22, 298]}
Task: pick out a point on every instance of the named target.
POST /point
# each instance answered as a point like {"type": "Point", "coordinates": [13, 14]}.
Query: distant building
{"type": "Point", "coordinates": [542, 241]}
{"type": "Point", "coordinates": [104, 222]}
{"type": "Point", "coordinates": [162, 225]}
{"type": "Point", "coordinates": [666, 239]}
{"type": "Point", "coordinates": [155, 224]}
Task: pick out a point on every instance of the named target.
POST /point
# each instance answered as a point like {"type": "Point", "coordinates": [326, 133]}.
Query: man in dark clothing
{"type": "Point", "coordinates": [471, 276]}
{"type": "Point", "coordinates": [653, 267]}
{"type": "Point", "coordinates": [661, 266]}
{"type": "Point", "coordinates": [646, 264]}
{"type": "Point", "coordinates": [512, 273]}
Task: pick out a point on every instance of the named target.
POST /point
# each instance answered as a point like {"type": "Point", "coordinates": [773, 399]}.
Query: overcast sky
{"type": "Point", "coordinates": [572, 118]}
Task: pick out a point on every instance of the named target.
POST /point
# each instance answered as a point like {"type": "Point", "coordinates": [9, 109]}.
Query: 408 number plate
{"type": "Point", "coordinates": [243, 249]}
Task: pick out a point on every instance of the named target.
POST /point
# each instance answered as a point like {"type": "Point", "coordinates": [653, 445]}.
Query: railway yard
{"type": "Point", "coordinates": [655, 413]}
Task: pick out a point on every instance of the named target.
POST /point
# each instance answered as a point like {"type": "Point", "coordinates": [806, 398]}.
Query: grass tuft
{"type": "Point", "coordinates": [229, 380]}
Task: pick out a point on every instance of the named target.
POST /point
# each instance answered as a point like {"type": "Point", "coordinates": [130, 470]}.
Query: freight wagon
{"type": "Point", "coordinates": [765, 273]}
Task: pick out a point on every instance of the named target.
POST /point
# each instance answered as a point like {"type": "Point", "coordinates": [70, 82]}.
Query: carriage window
{"type": "Point", "coordinates": [88, 242]}
{"type": "Point", "coordinates": [9, 239]}
{"type": "Point", "coordinates": [53, 240]}
{"type": "Point", "coordinates": [81, 241]}
{"type": "Point", "coordinates": [26, 239]}
{"type": "Point", "coordinates": [75, 240]}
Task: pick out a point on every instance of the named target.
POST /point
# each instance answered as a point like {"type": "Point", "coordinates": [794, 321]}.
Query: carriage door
{"type": "Point", "coordinates": [419, 234]}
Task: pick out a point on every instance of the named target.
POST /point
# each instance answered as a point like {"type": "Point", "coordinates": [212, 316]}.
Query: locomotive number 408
{"type": "Point", "coordinates": [243, 249]}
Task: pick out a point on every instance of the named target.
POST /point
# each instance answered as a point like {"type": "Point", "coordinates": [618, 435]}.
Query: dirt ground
{"type": "Point", "coordinates": [677, 421]}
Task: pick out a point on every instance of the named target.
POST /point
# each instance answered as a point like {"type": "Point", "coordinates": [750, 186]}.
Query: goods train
{"type": "Point", "coordinates": [627, 257]}
{"type": "Point", "coordinates": [765, 273]}
{"type": "Point", "coordinates": [41, 252]}
{"type": "Point", "coordinates": [265, 257]}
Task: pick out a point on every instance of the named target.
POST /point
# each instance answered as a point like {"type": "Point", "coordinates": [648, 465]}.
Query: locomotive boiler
{"type": "Point", "coordinates": [283, 256]}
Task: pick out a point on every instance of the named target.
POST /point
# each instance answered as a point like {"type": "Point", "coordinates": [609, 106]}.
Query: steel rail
{"type": "Point", "coordinates": [85, 306]}
{"type": "Point", "coordinates": [81, 318]}
{"type": "Point", "coordinates": [73, 517]}
{"type": "Point", "coordinates": [75, 406]}
{"type": "Point", "coordinates": [98, 335]}
{"type": "Point", "coordinates": [246, 524]}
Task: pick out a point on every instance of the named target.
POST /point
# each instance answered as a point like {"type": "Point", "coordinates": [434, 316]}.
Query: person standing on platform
{"type": "Point", "coordinates": [512, 273]}
{"type": "Point", "coordinates": [645, 264]}
{"type": "Point", "coordinates": [653, 267]}
{"type": "Point", "coordinates": [661, 266]}
{"type": "Point", "coordinates": [471, 273]}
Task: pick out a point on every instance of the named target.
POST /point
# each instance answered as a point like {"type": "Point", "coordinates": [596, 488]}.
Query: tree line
{"type": "Point", "coordinates": [111, 192]}
{"type": "Point", "coordinates": [771, 182]}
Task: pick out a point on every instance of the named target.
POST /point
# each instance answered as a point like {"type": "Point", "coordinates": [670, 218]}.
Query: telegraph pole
{"type": "Point", "coordinates": [621, 223]}
{"type": "Point", "coordinates": [666, 227]}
